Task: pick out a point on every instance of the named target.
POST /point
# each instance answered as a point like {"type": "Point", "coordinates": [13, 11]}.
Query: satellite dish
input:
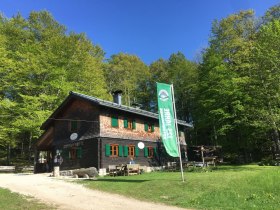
{"type": "Point", "coordinates": [73, 136]}
{"type": "Point", "coordinates": [141, 145]}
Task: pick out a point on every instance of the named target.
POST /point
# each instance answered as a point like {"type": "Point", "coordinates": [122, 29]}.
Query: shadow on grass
{"type": "Point", "coordinates": [120, 180]}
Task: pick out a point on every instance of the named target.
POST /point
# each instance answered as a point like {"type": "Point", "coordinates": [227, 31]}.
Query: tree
{"type": "Point", "coordinates": [126, 72]}
{"type": "Point", "coordinates": [266, 78]}
{"type": "Point", "coordinates": [237, 103]}
{"type": "Point", "coordinates": [222, 92]}
{"type": "Point", "coordinates": [40, 63]}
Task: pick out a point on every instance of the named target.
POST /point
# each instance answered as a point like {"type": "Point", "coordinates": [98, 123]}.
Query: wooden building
{"type": "Point", "coordinates": [89, 132]}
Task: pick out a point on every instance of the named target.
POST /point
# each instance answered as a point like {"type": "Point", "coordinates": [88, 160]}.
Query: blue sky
{"type": "Point", "coordinates": [150, 29]}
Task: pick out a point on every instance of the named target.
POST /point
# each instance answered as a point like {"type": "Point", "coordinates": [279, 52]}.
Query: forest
{"type": "Point", "coordinates": [230, 93]}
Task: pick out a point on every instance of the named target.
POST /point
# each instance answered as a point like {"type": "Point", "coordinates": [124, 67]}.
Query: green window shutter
{"type": "Point", "coordinates": [65, 154]}
{"type": "Point", "coordinates": [146, 127]}
{"type": "Point", "coordinates": [107, 150]}
{"type": "Point", "coordinates": [125, 123]}
{"type": "Point", "coordinates": [79, 152]}
{"type": "Point", "coordinates": [114, 121]}
{"type": "Point", "coordinates": [136, 151]}
{"type": "Point", "coordinates": [120, 150]}
{"type": "Point", "coordinates": [155, 151]}
{"type": "Point", "coordinates": [153, 127]}
{"type": "Point", "coordinates": [74, 125]}
{"type": "Point", "coordinates": [125, 148]}
{"type": "Point", "coordinates": [145, 152]}
{"type": "Point", "coordinates": [134, 124]}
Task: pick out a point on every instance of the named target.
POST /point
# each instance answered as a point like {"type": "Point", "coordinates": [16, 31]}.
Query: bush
{"type": "Point", "coordinates": [269, 161]}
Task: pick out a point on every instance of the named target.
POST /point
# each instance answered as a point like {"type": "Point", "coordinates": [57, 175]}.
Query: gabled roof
{"type": "Point", "coordinates": [104, 103]}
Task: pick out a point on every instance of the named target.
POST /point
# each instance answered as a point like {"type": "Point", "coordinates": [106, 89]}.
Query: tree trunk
{"type": "Point", "coordinates": [215, 136]}
{"type": "Point", "coordinates": [22, 151]}
{"type": "Point", "coordinates": [29, 147]}
{"type": "Point", "coordinates": [8, 154]}
{"type": "Point", "coordinates": [275, 136]}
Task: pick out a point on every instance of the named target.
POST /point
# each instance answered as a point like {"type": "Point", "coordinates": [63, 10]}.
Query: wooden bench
{"type": "Point", "coordinates": [112, 170]}
{"type": "Point", "coordinates": [171, 166]}
{"type": "Point", "coordinates": [7, 169]}
{"type": "Point", "coordinates": [133, 169]}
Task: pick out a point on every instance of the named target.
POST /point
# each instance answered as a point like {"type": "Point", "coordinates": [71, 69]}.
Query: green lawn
{"type": "Point", "coordinates": [227, 187]}
{"type": "Point", "coordinates": [9, 200]}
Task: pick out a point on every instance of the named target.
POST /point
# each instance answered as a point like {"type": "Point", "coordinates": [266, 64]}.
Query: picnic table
{"type": "Point", "coordinates": [124, 169]}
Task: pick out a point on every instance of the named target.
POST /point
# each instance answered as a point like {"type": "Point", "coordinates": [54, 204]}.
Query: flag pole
{"type": "Point", "coordinates": [177, 138]}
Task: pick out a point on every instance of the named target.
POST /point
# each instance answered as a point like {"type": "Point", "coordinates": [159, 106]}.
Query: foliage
{"type": "Point", "coordinates": [127, 73]}
{"type": "Point", "coordinates": [237, 100]}
{"type": "Point", "coordinates": [228, 187]}
{"type": "Point", "coordinates": [40, 63]}
{"type": "Point", "coordinates": [180, 72]}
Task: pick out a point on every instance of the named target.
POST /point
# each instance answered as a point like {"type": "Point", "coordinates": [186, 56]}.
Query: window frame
{"type": "Point", "coordinates": [131, 150]}
{"type": "Point", "coordinates": [150, 152]}
{"type": "Point", "coordinates": [73, 153]}
{"type": "Point", "coordinates": [131, 123]}
{"type": "Point", "coordinates": [149, 127]}
{"type": "Point", "coordinates": [114, 150]}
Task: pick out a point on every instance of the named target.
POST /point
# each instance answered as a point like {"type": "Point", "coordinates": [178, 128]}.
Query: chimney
{"type": "Point", "coordinates": [117, 97]}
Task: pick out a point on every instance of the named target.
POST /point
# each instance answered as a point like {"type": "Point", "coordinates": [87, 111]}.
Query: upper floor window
{"type": "Point", "coordinates": [149, 127]}
{"type": "Point", "coordinates": [129, 123]}
{"type": "Point", "coordinates": [114, 121]}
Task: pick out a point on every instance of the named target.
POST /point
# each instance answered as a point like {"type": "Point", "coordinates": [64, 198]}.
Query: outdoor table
{"type": "Point", "coordinates": [121, 169]}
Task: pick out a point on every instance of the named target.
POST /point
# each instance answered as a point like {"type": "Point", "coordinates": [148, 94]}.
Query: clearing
{"type": "Point", "coordinates": [68, 195]}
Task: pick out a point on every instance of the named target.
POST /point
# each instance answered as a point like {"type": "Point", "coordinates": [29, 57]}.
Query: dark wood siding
{"type": "Point", "coordinates": [87, 116]}
{"type": "Point", "coordinates": [89, 155]}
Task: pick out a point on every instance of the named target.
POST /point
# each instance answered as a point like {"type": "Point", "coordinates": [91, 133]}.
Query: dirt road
{"type": "Point", "coordinates": [67, 195]}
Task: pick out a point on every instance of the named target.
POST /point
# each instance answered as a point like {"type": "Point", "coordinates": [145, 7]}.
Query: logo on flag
{"type": "Point", "coordinates": [163, 95]}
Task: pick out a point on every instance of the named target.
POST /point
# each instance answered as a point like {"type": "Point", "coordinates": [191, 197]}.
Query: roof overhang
{"type": "Point", "coordinates": [45, 140]}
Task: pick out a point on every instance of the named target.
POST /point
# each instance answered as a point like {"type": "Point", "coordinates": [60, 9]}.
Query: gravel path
{"type": "Point", "coordinates": [67, 195]}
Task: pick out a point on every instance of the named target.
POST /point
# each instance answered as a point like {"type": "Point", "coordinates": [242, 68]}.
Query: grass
{"type": "Point", "coordinates": [15, 201]}
{"type": "Point", "coordinates": [228, 187]}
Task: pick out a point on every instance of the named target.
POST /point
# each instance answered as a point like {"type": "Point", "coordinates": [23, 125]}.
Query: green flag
{"type": "Point", "coordinates": [166, 119]}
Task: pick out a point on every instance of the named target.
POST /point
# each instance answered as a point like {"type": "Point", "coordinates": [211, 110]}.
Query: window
{"type": "Point", "coordinates": [73, 153]}
{"type": "Point", "coordinates": [73, 127]}
{"type": "Point", "coordinates": [131, 151]}
{"type": "Point", "coordinates": [114, 121]}
{"type": "Point", "coordinates": [129, 123]}
{"type": "Point", "coordinates": [149, 152]}
{"type": "Point", "coordinates": [112, 150]}
{"type": "Point", "coordinates": [149, 127]}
